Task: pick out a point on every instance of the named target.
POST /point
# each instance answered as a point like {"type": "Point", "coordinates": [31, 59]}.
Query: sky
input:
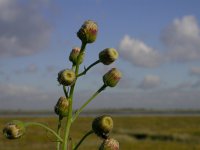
{"type": "Point", "coordinates": [158, 43]}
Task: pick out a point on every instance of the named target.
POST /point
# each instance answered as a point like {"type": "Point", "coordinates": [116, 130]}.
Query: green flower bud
{"type": "Point", "coordinates": [74, 55]}
{"type": "Point", "coordinates": [108, 55]}
{"type": "Point", "coordinates": [109, 144]}
{"type": "Point", "coordinates": [112, 77]}
{"type": "Point", "coordinates": [88, 32]}
{"type": "Point", "coordinates": [61, 107]}
{"type": "Point", "coordinates": [66, 77]}
{"type": "Point", "coordinates": [102, 126]}
{"type": "Point", "coordinates": [14, 129]}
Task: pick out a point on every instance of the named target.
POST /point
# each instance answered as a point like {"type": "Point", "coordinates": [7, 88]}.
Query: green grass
{"type": "Point", "coordinates": [133, 133]}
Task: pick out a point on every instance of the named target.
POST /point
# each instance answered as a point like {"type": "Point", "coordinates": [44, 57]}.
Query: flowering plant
{"type": "Point", "coordinates": [102, 125]}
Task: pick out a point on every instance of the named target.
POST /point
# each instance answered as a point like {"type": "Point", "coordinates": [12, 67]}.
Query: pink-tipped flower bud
{"type": "Point", "coordinates": [14, 130]}
{"type": "Point", "coordinates": [109, 144]}
{"type": "Point", "coordinates": [66, 77]}
{"type": "Point", "coordinates": [74, 55]}
{"type": "Point", "coordinates": [61, 107]}
{"type": "Point", "coordinates": [108, 56]}
{"type": "Point", "coordinates": [102, 126]}
{"type": "Point", "coordinates": [88, 32]}
{"type": "Point", "coordinates": [112, 77]}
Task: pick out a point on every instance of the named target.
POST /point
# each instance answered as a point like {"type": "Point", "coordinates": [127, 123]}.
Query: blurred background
{"type": "Point", "coordinates": [159, 55]}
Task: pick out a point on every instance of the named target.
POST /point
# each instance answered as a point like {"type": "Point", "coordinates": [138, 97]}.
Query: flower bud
{"type": "Point", "coordinates": [88, 32]}
{"type": "Point", "coordinates": [108, 55]}
{"type": "Point", "coordinates": [109, 144]}
{"type": "Point", "coordinates": [102, 126]}
{"type": "Point", "coordinates": [112, 77]}
{"type": "Point", "coordinates": [66, 77]}
{"type": "Point", "coordinates": [61, 107]}
{"type": "Point", "coordinates": [74, 55]}
{"type": "Point", "coordinates": [14, 129]}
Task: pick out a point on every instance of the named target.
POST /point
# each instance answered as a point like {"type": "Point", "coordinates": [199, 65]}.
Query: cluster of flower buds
{"type": "Point", "coordinates": [74, 55]}
{"type": "Point", "coordinates": [61, 107]}
{"type": "Point", "coordinates": [88, 32]}
{"type": "Point", "coordinates": [66, 77]}
{"type": "Point", "coordinates": [101, 126]}
{"type": "Point", "coordinates": [14, 129]}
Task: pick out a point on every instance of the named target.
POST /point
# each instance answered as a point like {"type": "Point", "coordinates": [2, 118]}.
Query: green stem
{"type": "Point", "coordinates": [65, 91]}
{"type": "Point", "coordinates": [83, 138]}
{"type": "Point", "coordinates": [58, 131]}
{"type": "Point", "coordinates": [47, 128]}
{"type": "Point", "coordinates": [73, 67]}
{"type": "Point", "coordinates": [86, 69]}
{"type": "Point", "coordinates": [69, 115]}
{"type": "Point", "coordinates": [68, 125]}
{"type": "Point", "coordinates": [87, 102]}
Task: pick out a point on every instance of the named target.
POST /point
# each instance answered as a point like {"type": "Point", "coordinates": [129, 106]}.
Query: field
{"type": "Point", "coordinates": [133, 133]}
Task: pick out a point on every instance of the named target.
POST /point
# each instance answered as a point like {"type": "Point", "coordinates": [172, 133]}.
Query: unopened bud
{"type": "Point", "coordinates": [88, 32]}
{"type": "Point", "coordinates": [102, 126]}
{"type": "Point", "coordinates": [112, 77]}
{"type": "Point", "coordinates": [74, 55]}
{"type": "Point", "coordinates": [108, 55]}
{"type": "Point", "coordinates": [109, 144]}
{"type": "Point", "coordinates": [61, 107]}
{"type": "Point", "coordinates": [14, 129]}
{"type": "Point", "coordinates": [66, 77]}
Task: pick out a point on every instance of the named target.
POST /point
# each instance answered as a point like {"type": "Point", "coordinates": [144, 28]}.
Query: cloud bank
{"type": "Point", "coordinates": [26, 97]}
{"type": "Point", "coordinates": [181, 41]}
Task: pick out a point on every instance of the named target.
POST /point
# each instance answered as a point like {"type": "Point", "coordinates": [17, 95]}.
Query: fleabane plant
{"type": "Point", "coordinates": [67, 78]}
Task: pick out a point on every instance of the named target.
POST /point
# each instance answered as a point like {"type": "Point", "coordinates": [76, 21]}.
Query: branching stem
{"type": "Point", "coordinates": [46, 127]}
{"type": "Point", "coordinates": [86, 69]}
{"type": "Point", "coordinates": [87, 102]}
{"type": "Point", "coordinates": [83, 138]}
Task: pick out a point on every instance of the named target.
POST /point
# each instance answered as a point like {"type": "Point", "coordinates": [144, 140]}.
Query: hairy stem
{"type": "Point", "coordinates": [71, 93]}
{"type": "Point", "coordinates": [86, 69]}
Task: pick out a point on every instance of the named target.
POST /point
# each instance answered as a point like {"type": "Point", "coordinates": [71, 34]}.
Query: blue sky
{"type": "Point", "coordinates": [158, 43]}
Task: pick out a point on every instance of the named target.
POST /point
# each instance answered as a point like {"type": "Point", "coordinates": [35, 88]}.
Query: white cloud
{"type": "Point", "coordinates": [182, 38]}
{"type": "Point", "coordinates": [138, 53]}
{"type": "Point", "coordinates": [24, 30]}
{"type": "Point", "coordinates": [195, 71]}
{"type": "Point", "coordinates": [149, 82]}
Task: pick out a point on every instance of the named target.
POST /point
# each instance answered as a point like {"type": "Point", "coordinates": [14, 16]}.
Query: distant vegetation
{"type": "Point", "coordinates": [111, 111]}
{"type": "Point", "coordinates": [133, 133]}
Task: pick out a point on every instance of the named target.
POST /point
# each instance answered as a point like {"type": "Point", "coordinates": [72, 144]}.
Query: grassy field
{"type": "Point", "coordinates": [133, 133]}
